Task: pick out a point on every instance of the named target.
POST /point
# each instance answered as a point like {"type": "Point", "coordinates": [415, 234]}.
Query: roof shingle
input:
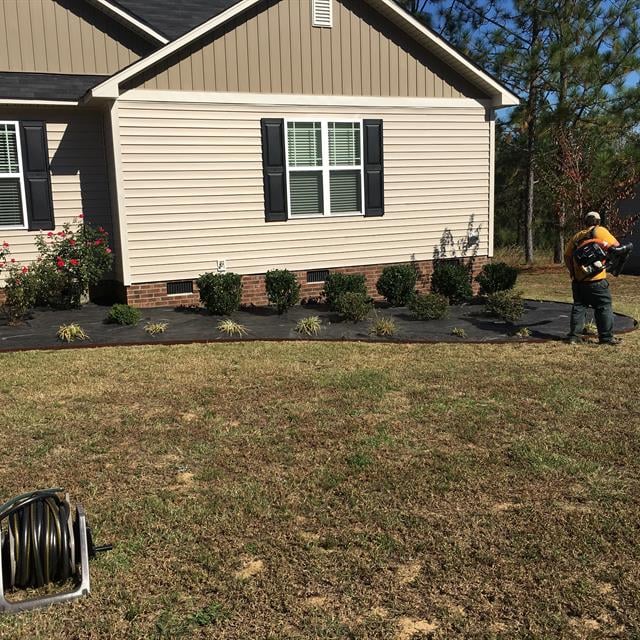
{"type": "Point", "coordinates": [46, 86]}
{"type": "Point", "coordinates": [174, 18]}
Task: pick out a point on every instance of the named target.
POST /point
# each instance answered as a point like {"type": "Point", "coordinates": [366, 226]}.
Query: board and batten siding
{"type": "Point", "coordinates": [79, 180]}
{"type": "Point", "coordinates": [193, 190]}
{"type": "Point", "coordinates": [47, 36]}
{"type": "Point", "coordinates": [275, 49]}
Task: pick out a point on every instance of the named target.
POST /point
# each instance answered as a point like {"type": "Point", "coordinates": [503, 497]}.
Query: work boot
{"type": "Point", "coordinates": [611, 341]}
{"type": "Point", "coordinates": [575, 340]}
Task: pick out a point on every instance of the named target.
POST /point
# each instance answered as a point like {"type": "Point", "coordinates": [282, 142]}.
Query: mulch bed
{"type": "Point", "coordinates": [545, 321]}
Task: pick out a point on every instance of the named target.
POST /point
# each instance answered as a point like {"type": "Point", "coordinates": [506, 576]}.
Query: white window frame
{"type": "Point", "coordinates": [325, 167]}
{"type": "Point", "coordinates": [19, 175]}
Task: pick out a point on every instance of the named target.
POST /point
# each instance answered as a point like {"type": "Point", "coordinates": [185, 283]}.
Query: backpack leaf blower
{"type": "Point", "coordinates": [42, 544]}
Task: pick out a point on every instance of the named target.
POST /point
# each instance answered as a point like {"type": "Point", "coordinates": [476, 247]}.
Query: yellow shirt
{"type": "Point", "coordinates": [601, 233]}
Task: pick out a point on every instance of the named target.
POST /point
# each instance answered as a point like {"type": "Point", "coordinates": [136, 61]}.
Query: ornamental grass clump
{"type": "Point", "coordinates": [452, 279]}
{"type": "Point", "coordinates": [338, 284]}
{"type": "Point", "coordinates": [496, 276]}
{"type": "Point", "coordinates": [429, 306]}
{"type": "Point", "coordinates": [397, 284]}
{"type": "Point", "coordinates": [459, 332]}
{"type": "Point", "coordinates": [124, 314]}
{"type": "Point", "coordinates": [383, 327]}
{"type": "Point", "coordinates": [71, 332]}
{"type": "Point", "coordinates": [506, 305]}
{"type": "Point", "coordinates": [283, 289]}
{"type": "Point", "coordinates": [155, 328]}
{"type": "Point", "coordinates": [309, 326]}
{"type": "Point", "coordinates": [220, 293]}
{"type": "Point", "coordinates": [232, 328]}
{"type": "Point", "coordinates": [354, 306]}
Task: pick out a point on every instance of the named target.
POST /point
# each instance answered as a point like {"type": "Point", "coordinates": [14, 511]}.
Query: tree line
{"type": "Point", "coordinates": [573, 144]}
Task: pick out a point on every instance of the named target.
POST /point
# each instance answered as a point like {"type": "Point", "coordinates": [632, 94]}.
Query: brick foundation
{"type": "Point", "coordinates": [154, 294]}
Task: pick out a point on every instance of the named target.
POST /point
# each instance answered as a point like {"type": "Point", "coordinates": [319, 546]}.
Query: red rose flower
{"type": "Point", "coordinates": [60, 263]}
{"type": "Point", "coordinates": [72, 242]}
{"type": "Point", "coordinates": [5, 244]}
{"type": "Point", "coordinates": [108, 250]}
{"type": "Point", "coordinates": [101, 230]}
{"type": "Point", "coordinates": [13, 259]}
{"type": "Point", "coordinates": [97, 243]}
{"type": "Point", "coordinates": [50, 234]}
{"type": "Point", "coordinates": [25, 269]}
{"type": "Point", "coordinates": [73, 262]}
{"type": "Point", "coordinates": [81, 216]}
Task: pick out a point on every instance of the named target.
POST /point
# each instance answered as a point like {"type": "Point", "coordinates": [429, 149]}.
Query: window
{"type": "Point", "coordinates": [324, 168]}
{"type": "Point", "coordinates": [12, 196]}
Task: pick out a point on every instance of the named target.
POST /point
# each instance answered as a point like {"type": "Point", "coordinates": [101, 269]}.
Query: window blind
{"type": "Point", "coordinates": [304, 144]}
{"type": "Point", "coordinates": [344, 143]}
{"type": "Point", "coordinates": [346, 191]}
{"type": "Point", "coordinates": [10, 202]}
{"type": "Point", "coordinates": [9, 162]}
{"type": "Point", "coordinates": [306, 192]}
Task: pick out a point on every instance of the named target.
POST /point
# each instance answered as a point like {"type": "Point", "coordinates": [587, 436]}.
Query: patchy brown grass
{"type": "Point", "coordinates": [309, 490]}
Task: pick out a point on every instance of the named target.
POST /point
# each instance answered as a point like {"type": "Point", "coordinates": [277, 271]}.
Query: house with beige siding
{"type": "Point", "coordinates": [244, 135]}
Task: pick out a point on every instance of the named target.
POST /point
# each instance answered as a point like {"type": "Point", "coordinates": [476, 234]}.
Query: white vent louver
{"type": "Point", "coordinates": [322, 13]}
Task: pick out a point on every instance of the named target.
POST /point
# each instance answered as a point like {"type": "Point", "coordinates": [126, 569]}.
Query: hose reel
{"type": "Point", "coordinates": [42, 544]}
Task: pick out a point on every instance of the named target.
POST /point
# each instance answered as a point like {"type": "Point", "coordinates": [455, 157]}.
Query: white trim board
{"type": "Point", "coordinates": [10, 101]}
{"type": "Point", "coordinates": [501, 97]}
{"type": "Point", "coordinates": [285, 99]}
{"type": "Point", "coordinates": [128, 20]}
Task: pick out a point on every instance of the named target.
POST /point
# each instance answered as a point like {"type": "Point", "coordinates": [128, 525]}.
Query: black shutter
{"type": "Point", "coordinates": [274, 170]}
{"type": "Point", "coordinates": [37, 179]}
{"type": "Point", "coordinates": [373, 168]}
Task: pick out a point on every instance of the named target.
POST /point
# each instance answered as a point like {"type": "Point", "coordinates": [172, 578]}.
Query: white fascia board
{"type": "Point", "coordinates": [501, 97]}
{"type": "Point", "coordinates": [128, 20]}
{"type": "Point", "coordinates": [285, 99]}
{"type": "Point", "coordinates": [35, 102]}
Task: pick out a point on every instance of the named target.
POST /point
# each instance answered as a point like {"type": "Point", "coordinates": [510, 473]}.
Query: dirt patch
{"type": "Point", "coordinates": [249, 569]}
{"type": "Point", "coordinates": [185, 478]}
{"type": "Point", "coordinates": [409, 627]}
{"type": "Point", "coordinates": [316, 602]}
{"type": "Point", "coordinates": [407, 573]}
{"type": "Point", "coordinates": [501, 507]}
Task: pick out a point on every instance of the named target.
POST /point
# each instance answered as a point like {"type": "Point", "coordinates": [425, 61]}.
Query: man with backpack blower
{"type": "Point", "coordinates": [588, 256]}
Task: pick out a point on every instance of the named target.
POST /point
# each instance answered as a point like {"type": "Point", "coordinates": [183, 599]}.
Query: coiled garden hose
{"type": "Point", "coordinates": [42, 544]}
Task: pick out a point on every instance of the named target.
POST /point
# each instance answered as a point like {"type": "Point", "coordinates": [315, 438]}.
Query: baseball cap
{"type": "Point", "coordinates": [592, 215]}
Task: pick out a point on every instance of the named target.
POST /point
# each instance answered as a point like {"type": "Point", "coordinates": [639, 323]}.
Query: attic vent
{"type": "Point", "coordinates": [320, 275]}
{"type": "Point", "coordinates": [322, 13]}
{"type": "Point", "coordinates": [179, 287]}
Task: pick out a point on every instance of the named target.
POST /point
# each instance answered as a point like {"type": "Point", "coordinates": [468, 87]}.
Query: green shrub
{"type": "Point", "coordinates": [20, 294]}
{"type": "Point", "coordinates": [123, 314]}
{"type": "Point", "coordinates": [338, 283]}
{"type": "Point", "coordinates": [497, 276]}
{"type": "Point", "coordinates": [283, 289]}
{"type": "Point", "coordinates": [453, 280]}
{"type": "Point", "coordinates": [220, 292]}
{"type": "Point", "coordinates": [506, 305]}
{"type": "Point", "coordinates": [397, 284]}
{"type": "Point", "coordinates": [354, 306]}
{"type": "Point", "coordinates": [429, 306]}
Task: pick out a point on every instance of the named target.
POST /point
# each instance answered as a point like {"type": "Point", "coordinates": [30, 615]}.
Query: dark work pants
{"type": "Point", "coordinates": [597, 296]}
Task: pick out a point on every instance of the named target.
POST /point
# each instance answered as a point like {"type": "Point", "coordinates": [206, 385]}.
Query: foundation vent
{"type": "Point", "coordinates": [322, 13]}
{"type": "Point", "coordinates": [320, 275]}
{"type": "Point", "coordinates": [180, 287]}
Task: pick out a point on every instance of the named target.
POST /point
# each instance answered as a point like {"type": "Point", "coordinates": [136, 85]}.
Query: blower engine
{"type": "Point", "coordinates": [42, 544]}
{"type": "Point", "coordinates": [594, 256]}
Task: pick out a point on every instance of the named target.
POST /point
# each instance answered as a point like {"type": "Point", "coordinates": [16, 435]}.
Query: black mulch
{"type": "Point", "coordinates": [545, 320]}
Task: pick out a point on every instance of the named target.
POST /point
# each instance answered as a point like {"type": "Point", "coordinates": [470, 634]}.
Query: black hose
{"type": "Point", "coordinates": [38, 540]}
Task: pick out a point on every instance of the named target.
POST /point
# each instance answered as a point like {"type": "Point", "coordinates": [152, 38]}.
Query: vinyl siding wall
{"type": "Point", "coordinates": [193, 191]}
{"type": "Point", "coordinates": [63, 37]}
{"type": "Point", "coordinates": [275, 49]}
{"type": "Point", "coordinates": [79, 179]}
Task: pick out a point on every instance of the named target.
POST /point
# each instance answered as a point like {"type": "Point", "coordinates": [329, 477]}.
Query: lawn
{"type": "Point", "coordinates": [310, 490]}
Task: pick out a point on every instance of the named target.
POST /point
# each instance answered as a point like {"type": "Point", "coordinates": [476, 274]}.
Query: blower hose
{"type": "Point", "coordinates": [40, 540]}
